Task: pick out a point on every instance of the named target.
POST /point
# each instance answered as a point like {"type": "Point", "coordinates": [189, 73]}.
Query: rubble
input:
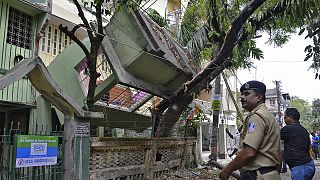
{"type": "Point", "coordinates": [201, 173]}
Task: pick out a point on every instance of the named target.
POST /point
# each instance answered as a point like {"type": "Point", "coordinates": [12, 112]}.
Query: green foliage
{"type": "Point", "coordinates": [194, 18]}
{"type": "Point", "coordinates": [310, 114]}
{"type": "Point", "coordinates": [130, 4]}
{"type": "Point", "coordinates": [299, 14]}
{"type": "Point", "coordinates": [316, 108]}
{"type": "Point", "coordinates": [304, 108]}
{"type": "Point", "coordinates": [315, 115]}
{"type": "Point", "coordinates": [313, 50]}
{"type": "Point", "coordinates": [192, 118]}
{"type": "Point", "coordinates": [199, 42]}
{"type": "Point", "coordinates": [243, 55]}
{"type": "Point", "coordinates": [156, 17]}
{"type": "Point", "coordinates": [278, 38]}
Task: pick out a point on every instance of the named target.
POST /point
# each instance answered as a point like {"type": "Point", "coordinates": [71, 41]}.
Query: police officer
{"type": "Point", "coordinates": [260, 138]}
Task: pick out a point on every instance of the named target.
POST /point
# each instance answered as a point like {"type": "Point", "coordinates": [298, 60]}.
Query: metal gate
{"type": "Point", "coordinates": [7, 163]}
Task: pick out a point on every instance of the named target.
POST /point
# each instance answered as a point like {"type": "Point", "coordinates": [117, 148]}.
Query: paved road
{"type": "Point", "coordinates": [284, 176]}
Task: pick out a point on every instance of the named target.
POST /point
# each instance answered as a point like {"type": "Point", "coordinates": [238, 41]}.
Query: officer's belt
{"type": "Point", "coordinates": [262, 170]}
{"type": "Point", "coordinates": [265, 170]}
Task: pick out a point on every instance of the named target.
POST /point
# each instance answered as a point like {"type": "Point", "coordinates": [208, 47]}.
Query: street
{"type": "Point", "coordinates": [284, 176]}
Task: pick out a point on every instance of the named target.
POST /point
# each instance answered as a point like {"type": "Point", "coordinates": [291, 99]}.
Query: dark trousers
{"type": "Point", "coordinates": [315, 151]}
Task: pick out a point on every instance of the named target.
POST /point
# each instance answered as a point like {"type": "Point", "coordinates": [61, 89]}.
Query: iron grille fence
{"type": "Point", "coordinates": [8, 171]}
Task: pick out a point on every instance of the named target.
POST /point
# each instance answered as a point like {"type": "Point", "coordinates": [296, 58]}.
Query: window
{"type": "Point", "coordinates": [65, 40]}
{"type": "Point", "coordinates": [60, 42]}
{"type": "Point", "coordinates": [43, 43]}
{"type": "Point", "coordinates": [49, 39]}
{"type": "Point", "coordinates": [55, 38]}
{"type": "Point", "coordinates": [53, 41]}
{"type": "Point", "coordinates": [19, 29]}
{"type": "Point", "coordinates": [104, 63]}
{"type": "Point", "coordinates": [272, 102]}
{"type": "Point", "coordinates": [105, 67]}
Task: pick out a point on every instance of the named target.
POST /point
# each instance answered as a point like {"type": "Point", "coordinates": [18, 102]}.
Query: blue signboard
{"type": "Point", "coordinates": [36, 150]}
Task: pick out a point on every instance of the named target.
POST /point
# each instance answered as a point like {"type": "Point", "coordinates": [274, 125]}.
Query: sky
{"type": "Point", "coordinates": [285, 64]}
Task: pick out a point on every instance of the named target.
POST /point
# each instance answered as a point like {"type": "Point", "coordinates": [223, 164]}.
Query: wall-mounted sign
{"type": "Point", "coordinates": [83, 129]}
{"type": "Point", "coordinates": [36, 150]}
{"type": "Point", "coordinates": [216, 104]}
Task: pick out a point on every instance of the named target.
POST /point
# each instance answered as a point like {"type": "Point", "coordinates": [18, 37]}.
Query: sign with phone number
{"type": "Point", "coordinates": [36, 150]}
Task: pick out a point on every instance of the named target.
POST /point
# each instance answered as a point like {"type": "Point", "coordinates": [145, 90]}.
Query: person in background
{"type": "Point", "coordinates": [318, 141]}
{"type": "Point", "coordinates": [315, 145]}
{"type": "Point", "coordinates": [258, 156]}
{"type": "Point", "coordinates": [310, 149]}
{"type": "Point", "coordinates": [236, 138]}
{"type": "Point", "coordinates": [296, 146]}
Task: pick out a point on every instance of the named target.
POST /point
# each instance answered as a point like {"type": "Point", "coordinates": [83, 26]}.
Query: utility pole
{"type": "Point", "coordinates": [216, 103]}
{"type": "Point", "coordinates": [279, 101]}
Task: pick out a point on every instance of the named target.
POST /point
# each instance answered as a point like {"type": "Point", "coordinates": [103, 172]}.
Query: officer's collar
{"type": "Point", "coordinates": [256, 108]}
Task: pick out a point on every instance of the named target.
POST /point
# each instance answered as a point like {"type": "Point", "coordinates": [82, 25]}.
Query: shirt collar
{"type": "Point", "coordinates": [261, 105]}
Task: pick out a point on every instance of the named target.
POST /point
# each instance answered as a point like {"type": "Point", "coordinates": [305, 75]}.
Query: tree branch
{"type": "Point", "coordinates": [213, 20]}
{"type": "Point", "coordinates": [73, 31]}
{"type": "Point", "coordinates": [229, 42]}
{"type": "Point", "coordinates": [217, 64]}
{"type": "Point", "coordinates": [99, 17]}
{"type": "Point", "coordinates": [84, 20]}
{"type": "Point", "coordinates": [74, 38]}
{"type": "Point", "coordinates": [225, 6]}
{"type": "Point", "coordinates": [314, 33]}
{"type": "Point", "coordinates": [259, 23]}
{"type": "Point", "coordinates": [270, 13]}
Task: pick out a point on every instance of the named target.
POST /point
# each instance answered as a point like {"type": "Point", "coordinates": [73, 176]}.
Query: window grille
{"type": "Point", "coordinates": [60, 41]}
{"type": "Point", "coordinates": [49, 39]}
{"type": "Point", "coordinates": [104, 63]}
{"type": "Point", "coordinates": [55, 38]}
{"type": "Point", "coordinates": [54, 41]}
{"type": "Point", "coordinates": [19, 29]}
{"type": "Point", "coordinates": [272, 102]}
{"type": "Point", "coordinates": [43, 43]}
{"type": "Point", "coordinates": [65, 40]}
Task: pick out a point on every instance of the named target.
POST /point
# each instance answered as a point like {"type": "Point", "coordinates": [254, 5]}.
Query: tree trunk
{"type": "Point", "coordinates": [91, 62]}
{"type": "Point", "coordinates": [171, 116]}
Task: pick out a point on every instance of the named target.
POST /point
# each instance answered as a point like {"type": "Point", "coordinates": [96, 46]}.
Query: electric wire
{"type": "Point", "coordinates": [232, 97]}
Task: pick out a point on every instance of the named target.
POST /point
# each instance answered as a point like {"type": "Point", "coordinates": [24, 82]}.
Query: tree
{"type": "Point", "coordinates": [316, 108]}
{"type": "Point", "coordinates": [232, 31]}
{"type": "Point", "coordinates": [315, 115]}
{"type": "Point", "coordinates": [310, 118]}
{"type": "Point", "coordinates": [304, 108]}
{"type": "Point", "coordinates": [96, 34]}
{"type": "Point", "coordinates": [230, 27]}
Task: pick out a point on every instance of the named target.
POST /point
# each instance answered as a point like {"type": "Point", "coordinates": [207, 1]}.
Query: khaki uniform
{"type": "Point", "coordinates": [261, 132]}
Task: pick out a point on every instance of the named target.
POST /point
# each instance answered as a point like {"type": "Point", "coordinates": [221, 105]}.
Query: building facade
{"type": "Point", "coordinates": [22, 23]}
{"type": "Point", "coordinates": [277, 102]}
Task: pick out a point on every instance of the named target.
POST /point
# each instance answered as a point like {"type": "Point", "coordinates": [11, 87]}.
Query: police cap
{"type": "Point", "coordinates": [253, 85]}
